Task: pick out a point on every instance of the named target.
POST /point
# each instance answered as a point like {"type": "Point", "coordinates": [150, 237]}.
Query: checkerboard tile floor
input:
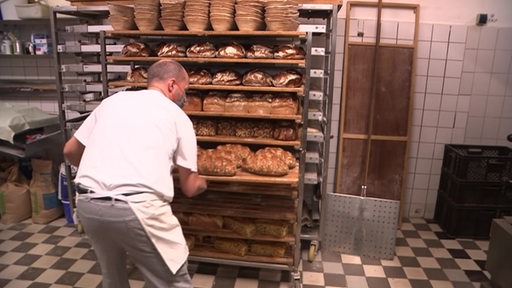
{"type": "Point", "coordinates": [56, 255]}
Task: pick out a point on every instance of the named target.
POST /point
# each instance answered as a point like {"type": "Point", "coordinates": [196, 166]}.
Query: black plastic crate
{"type": "Point", "coordinates": [475, 192]}
{"type": "Point", "coordinates": [467, 221]}
{"type": "Point", "coordinates": [478, 163]}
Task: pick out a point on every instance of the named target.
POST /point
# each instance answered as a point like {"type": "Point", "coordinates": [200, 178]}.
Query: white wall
{"type": "Point", "coordinates": [462, 12]}
{"type": "Point", "coordinates": [463, 87]}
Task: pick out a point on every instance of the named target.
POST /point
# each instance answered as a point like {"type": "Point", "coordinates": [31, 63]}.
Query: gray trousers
{"type": "Point", "coordinates": [115, 233]}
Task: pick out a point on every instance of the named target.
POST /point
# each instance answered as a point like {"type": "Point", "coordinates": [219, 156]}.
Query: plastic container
{"type": "Point", "coordinates": [478, 163]}
{"type": "Point", "coordinates": [33, 11]}
{"type": "Point", "coordinates": [475, 192]}
{"type": "Point", "coordinates": [67, 212]}
{"type": "Point", "coordinates": [63, 188]}
{"type": "Point", "coordinates": [467, 221]}
{"type": "Point", "coordinates": [9, 10]}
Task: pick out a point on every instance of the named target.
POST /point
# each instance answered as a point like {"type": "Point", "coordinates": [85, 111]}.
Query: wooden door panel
{"type": "Point", "coordinates": [386, 169]}
{"type": "Point", "coordinates": [353, 166]}
{"type": "Point", "coordinates": [357, 101]}
{"type": "Point", "coordinates": [393, 89]}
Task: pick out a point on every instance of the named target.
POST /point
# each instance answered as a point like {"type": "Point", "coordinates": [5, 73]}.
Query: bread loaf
{"type": "Point", "coordinates": [241, 150]}
{"type": "Point", "coordinates": [193, 102]}
{"type": "Point", "coordinates": [260, 104]}
{"type": "Point", "coordinates": [137, 75]}
{"type": "Point", "coordinates": [268, 249]}
{"type": "Point", "coordinates": [265, 165]}
{"type": "Point", "coordinates": [201, 50]}
{"type": "Point", "coordinates": [226, 128]}
{"type": "Point", "coordinates": [182, 217]}
{"type": "Point", "coordinates": [227, 77]}
{"type": "Point", "coordinates": [214, 102]}
{"type": "Point", "coordinates": [263, 129]}
{"type": "Point", "coordinates": [136, 49]}
{"type": "Point", "coordinates": [244, 129]}
{"type": "Point", "coordinates": [233, 50]}
{"type": "Point", "coordinates": [214, 162]}
{"type": "Point", "coordinates": [284, 105]}
{"type": "Point", "coordinates": [231, 246]}
{"type": "Point", "coordinates": [278, 152]}
{"type": "Point", "coordinates": [258, 51]}
{"type": "Point", "coordinates": [288, 51]}
{"type": "Point", "coordinates": [285, 131]}
{"type": "Point", "coordinates": [205, 221]}
{"type": "Point", "coordinates": [204, 127]}
{"type": "Point", "coordinates": [171, 50]}
{"type": "Point", "coordinates": [236, 103]}
{"type": "Point", "coordinates": [244, 227]}
{"type": "Point", "coordinates": [257, 78]}
{"type": "Point", "coordinates": [190, 240]}
{"type": "Point", "coordinates": [199, 77]}
{"type": "Point", "coordinates": [277, 229]}
{"type": "Point", "coordinates": [290, 79]}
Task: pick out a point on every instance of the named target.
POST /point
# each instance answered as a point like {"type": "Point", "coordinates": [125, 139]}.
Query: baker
{"type": "Point", "coordinates": [125, 152]}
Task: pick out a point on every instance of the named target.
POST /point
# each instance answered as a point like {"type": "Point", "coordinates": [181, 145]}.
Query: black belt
{"type": "Point", "coordinates": [82, 190]}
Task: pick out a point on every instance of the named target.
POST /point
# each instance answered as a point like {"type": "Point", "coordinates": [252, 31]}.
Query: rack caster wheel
{"type": "Point", "coordinates": [79, 228]}
{"type": "Point", "coordinates": [313, 247]}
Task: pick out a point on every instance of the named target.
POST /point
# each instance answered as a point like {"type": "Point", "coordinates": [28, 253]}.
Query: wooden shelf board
{"type": "Point", "coordinates": [207, 33]}
{"type": "Point", "coordinates": [297, 118]}
{"type": "Point", "coordinates": [300, 90]}
{"type": "Point", "coordinates": [230, 234]}
{"type": "Point", "coordinates": [210, 253]}
{"type": "Point", "coordinates": [241, 140]}
{"type": "Point", "coordinates": [300, 63]}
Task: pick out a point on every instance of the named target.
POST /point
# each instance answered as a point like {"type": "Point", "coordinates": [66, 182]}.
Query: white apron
{"type": "Point", "coordinates": [162, 227]}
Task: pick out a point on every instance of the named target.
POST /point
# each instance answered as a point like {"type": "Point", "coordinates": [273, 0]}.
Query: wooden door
{"type": "Point", "coordinates": [376, 111]}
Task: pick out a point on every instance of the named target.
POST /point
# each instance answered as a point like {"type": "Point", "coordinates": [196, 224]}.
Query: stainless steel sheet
{"type": "Point", "coordinates": [362, 226]}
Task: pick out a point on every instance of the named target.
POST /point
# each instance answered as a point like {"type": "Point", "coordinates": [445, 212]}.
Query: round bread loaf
{"type": "Point", "coordinates": [233, 50]}
{"type": "Point", "coordinates": [138, 75]}
{"type": "Point", "coordinates": [171, 50]}
{"type": "Point", "coordinates": [199, 77]}
{"type": "Point", "coordinates": [290, 79]}
{"type": "Point", "coordinates": [257, 78]}
{"type": "Point", "coordinates": [288, 51]}
{"type": "Point", "coordinates": [227, 77]}
{"type": "Point", "coordinates": [258, 51]}
{"type": "Point", "coordinates": [201, 50]}
{"type": "Point", "coordinates": [136, 49]}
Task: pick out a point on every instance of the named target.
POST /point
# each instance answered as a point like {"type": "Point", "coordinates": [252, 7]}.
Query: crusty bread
{"type": "Point", "coordinates": [138, 75]}
{"type": "Point", "coordinates": [201, 50]}
{"type": "Point", "coordinates": [136, 49]}
{"type": "Point", "coordinates": [214, 102]}
{"type": "Point", "coordinates": [194, 102]}
{"type": "Point", "coordinates": [257, 78]}
{"type": "Point", "coordinates": [258, 51]}
{"type": "Point", "coordinates": [233, 50]}
{"type": "Point", "coordinates": [171, 50]}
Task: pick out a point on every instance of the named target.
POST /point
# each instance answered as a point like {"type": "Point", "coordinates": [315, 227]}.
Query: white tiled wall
{"type": "Point", "coordinates": [463, 95]}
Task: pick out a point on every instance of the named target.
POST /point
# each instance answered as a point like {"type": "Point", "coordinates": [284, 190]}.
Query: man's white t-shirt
{"type": "Point", "coordinates": [133, 140]}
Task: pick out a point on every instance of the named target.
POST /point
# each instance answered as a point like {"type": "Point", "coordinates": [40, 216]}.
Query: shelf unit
{"type": "Point", "coordinates": [320, 21]}
{"type": "Point", "coordinates": [251, 199]}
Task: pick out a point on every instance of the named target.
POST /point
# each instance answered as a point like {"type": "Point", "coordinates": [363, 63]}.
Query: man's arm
{"type": "Point", "coordinates": [191, 183]}
{"type": "Point", "coordinates": [73, 150]}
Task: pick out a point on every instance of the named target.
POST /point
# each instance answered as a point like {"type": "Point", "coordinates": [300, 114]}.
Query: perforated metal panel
{"type": "Point", "coordinates": [361, 225]}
